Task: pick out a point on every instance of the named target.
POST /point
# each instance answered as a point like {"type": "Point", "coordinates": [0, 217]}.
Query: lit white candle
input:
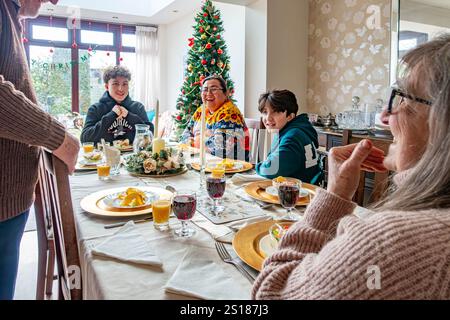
{"type": "Point", "coordinates": [202, 136]}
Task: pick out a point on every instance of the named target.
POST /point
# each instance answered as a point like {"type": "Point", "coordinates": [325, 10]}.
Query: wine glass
{"type": "Point", "coordinates": [289, 193]}
{"type": "Point", "coordinates": [215, 185]}
{"type": "Point", "coordinates": [184, 204]}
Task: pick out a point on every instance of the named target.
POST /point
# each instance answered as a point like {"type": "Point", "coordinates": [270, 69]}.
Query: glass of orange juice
{"type": "Point", "coordinates": [103, 171]}
{"type": "Point", "coordinates": [161, 213]}
{"type": "Point", "coordinates": [88, 147]}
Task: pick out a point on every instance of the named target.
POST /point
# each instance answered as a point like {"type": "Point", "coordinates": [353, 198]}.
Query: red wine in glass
{"type": "Point", "coordinates": [184, 206]}
{"type": "Point", "coordinates": [289, 195]}
{"type": "Point", "coordinates": [215, 187]}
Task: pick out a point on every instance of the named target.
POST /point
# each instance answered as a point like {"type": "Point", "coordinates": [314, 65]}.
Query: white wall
{"type": "Point", "coordinates": [287, 47]}
{"type": "Point", "coordinates": [256, 56]}
{"type": "Point", "coordinates": [174, 47]}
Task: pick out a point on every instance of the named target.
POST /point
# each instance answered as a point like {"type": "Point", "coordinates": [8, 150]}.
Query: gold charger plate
{"type": "Point", "coordinates": [257, 191]}
{"type": "Point", "coordinates": [158, 176]}
{"type": "Point", "coordinates": [245, 167]}
{"type": "Point", "coordinates": [94, 204]}
{"type": "Point", "coordinates": [246, 243]}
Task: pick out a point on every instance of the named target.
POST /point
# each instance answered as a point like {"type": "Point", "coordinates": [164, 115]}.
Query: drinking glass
{"type": "Point", "coordinates": [215, 185]}
{"type": "Point", "coordinates": [103, 171]}
{"type": "Point", "coordinates": [88, 147]}
{"type": "Point", "coordinates": [289, 193]}
{"type": "Point", "coordinates": [184, 204]}
{"type": "Point", "coordinates": [161, 213]}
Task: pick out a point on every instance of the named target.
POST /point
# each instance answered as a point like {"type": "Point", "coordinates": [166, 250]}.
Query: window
{"type": "Point", "coordinates": [97, 37]}
{"type": "Point", "coordinates": [52, 78]}
{"type": "Point", "coordinates": [50, 33]}
{"type": "Point", "coordinates": [70, 78]}
{"type": "Point", "coordinates": [129, 61]}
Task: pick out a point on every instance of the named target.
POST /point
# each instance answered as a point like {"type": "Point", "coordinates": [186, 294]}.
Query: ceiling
{"type": "Point", "coordinates": [149, 12]}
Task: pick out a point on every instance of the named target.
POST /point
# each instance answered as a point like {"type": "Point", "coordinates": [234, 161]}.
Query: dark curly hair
{"type": "Point", "coordinates": [113, 72]}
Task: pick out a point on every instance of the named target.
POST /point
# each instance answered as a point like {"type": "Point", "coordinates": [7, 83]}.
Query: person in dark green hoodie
{"type": "Point", "coordinates": [294, 148]}
{"type": "Point", "coordinates": [115, 115]}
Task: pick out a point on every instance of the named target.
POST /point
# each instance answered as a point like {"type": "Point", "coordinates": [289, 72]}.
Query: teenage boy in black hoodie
{"type": "Point", "coordinates": [115, 115]}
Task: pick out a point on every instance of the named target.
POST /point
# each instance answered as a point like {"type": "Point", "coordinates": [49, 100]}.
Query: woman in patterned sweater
{"type": "Point", "coordinates": [226, 132]}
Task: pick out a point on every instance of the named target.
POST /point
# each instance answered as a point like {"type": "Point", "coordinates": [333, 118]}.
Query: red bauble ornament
{"type": "Point", "coordinates": [218, 36]}
{"type": "Point", "coordinates": [179, 118]}
{"type": "Point", "coordinates": [216, 17]}
{"type": "Point", "coordinates": [74, 45]}
{"type": "Point", "coordinates": [202, 21]}
{"type": "Point", "coordinates": [204, 62]}
{"type": "Point", "coordinates": [219, 51]}
{"type": "Point", "coordinates": [208, 46]}
{"type": "Point", "coordinates": [89, 49]}
{"type": "Point", "coordinates": [24, 40]}
{"type": "Point", "coordinates": [120, 59]}
{"type": "Point", "coordinates": [183, 91]}
{"type": "Point", "coordinates": [201, 30]}
{"type": "Point", "coordinates": [215, 29]}
{"type": "Point", "coordinates": [205, 14]}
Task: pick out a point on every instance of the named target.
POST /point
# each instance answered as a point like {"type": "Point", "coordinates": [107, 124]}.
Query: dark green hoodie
{"type": "Point", "coordinates": [293, 152]}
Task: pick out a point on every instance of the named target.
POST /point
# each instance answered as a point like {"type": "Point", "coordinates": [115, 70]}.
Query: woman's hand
{"type": "Point", "coordinates": [345, 164]}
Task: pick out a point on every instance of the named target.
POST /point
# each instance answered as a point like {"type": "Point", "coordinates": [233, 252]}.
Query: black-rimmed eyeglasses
{"type": "Point", "coordinates": [397, 97]}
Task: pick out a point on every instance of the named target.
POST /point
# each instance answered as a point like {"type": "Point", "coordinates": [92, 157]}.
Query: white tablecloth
{"type": "Point", "coordinates": [105, 278]}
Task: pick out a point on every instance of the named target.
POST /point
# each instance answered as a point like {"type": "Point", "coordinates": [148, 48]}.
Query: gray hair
{"type": "Point", "coordinates": [427, 185]}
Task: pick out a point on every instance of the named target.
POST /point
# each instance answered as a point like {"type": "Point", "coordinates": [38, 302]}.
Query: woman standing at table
{"type": "Point", "coordinates": [226, 132]}
{"type": "Point", "coordinates": [401, 250]}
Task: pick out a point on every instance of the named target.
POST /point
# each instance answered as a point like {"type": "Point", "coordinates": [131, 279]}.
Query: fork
{"type": "Point", "coordinates": [225, 256]}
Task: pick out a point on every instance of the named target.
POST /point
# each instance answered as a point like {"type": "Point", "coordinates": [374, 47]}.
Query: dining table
{"type": "Point", "coordinates": [113, 279]}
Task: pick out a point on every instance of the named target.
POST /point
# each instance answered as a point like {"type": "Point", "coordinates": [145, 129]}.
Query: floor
{"type": "Point", "coordinates": [26, 278]}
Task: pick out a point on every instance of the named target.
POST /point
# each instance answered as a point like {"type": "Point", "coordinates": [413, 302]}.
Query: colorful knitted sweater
{"type": "Point", "coordinates": [226, 134]}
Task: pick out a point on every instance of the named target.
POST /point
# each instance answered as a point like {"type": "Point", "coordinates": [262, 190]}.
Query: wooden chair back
{"type": "Point", "coordinates": [55, 211]}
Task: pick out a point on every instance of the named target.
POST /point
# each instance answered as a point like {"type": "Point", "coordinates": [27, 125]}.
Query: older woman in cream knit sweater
{"type": "Point", "coordinates": [401, 250]}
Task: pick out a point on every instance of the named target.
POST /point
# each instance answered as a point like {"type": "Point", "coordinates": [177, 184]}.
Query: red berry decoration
{"type": "Point", "coordinates": [120, 59]}
{"type": "Point", "coordinates": [218, 36]}
{"type": "Point", "coordinates": [208, 46]}
{"type": "Point", "coordinates": [202, 21]}
{"type": "Point", "coordinates": [74, 45]}
{"type": "Point", "coordinates": [179, 118]}
{"type": "Point", "coordinates": [201, 30]}
{"type": "Point", "coordinates": [205, 14]}
{"type": "Point", "coordinates": [204, 62]}
{"type": "Point", "coordinates": [216, 17]}
{"type": "Point", "coordinates": [219, 51]}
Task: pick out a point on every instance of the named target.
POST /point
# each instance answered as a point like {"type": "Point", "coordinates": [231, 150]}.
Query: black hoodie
{"type": "Point", "coordinates": [102, 122]}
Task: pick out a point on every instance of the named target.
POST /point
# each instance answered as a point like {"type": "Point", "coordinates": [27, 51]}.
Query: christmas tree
{"type": "Point", "coordinates": [207, 56]}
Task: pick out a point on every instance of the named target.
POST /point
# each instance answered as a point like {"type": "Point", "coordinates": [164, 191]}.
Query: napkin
{"type": "Point", "coordinates": [128, 245]}
{"type": "Point", "coordinates": [218, 232]}
{"type": "Point", "coordinates": [189, 279]}
{"type": "Point", "coordinates": [239, 178]}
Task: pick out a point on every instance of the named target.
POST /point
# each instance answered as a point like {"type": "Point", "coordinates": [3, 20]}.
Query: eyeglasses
{"type": "Point", "coordinates": [213, 90]}
{"type": "Point", "coordinates": [397, 97]}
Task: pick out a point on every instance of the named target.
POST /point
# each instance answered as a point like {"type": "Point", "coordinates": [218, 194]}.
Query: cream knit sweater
{"type": "Point", "coordinates": [331, 254]}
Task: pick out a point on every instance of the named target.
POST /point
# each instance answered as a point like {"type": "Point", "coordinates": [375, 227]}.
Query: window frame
{"type": "Point", "coordinates": [91, 25]}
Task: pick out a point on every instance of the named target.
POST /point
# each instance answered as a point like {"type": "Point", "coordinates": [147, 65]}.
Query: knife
{"type": "Point", "coordinates": [120, 224]}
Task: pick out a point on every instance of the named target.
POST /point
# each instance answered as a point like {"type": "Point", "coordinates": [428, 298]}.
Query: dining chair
{"type": "Point", "coordinates": [259, 140]}
{"type": "Point", "coordinates": [57, 239]}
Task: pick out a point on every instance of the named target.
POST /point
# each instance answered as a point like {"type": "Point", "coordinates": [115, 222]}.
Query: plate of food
{"type": "Point", "coordinates": [99, 203]}
{"type": "Point", "coordinates": [123, 145]}
{"type": "Point", "coordinates": [131, 198]}
{"type": "Point", "coordinates": [257, 241]}
{"type": "Point", "coordinates": [188, 148]}
{"type": "Point", "coordinates": [229, 165]}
